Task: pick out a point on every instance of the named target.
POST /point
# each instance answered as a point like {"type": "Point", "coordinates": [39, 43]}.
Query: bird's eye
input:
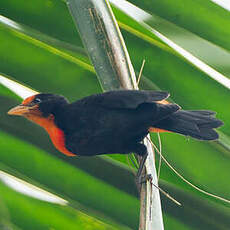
{"type": "Point", "coordinates": [37, 100]}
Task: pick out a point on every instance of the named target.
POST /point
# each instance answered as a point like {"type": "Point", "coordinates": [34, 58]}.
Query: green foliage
{"type": "Point", "coordinates": [44, 52]}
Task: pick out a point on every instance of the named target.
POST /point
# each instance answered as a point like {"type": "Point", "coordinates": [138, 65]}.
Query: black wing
{"type": "Point", "coordinates": [129, 99]}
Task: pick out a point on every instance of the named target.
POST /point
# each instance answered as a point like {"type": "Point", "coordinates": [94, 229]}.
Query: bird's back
{"type": "Point", "coordinates": [92, 128]}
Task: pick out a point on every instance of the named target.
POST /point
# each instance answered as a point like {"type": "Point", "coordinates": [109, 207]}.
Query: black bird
{"type": "Point", "coordinates": [113, 122]}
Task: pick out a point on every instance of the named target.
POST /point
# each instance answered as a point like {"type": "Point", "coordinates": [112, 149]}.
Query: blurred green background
{"type": "Point", "coordinates": [40, 48]}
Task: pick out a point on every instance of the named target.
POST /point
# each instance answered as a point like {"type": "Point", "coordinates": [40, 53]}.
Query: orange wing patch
{"type": "Point", "coordinates": [164, 102]}
{"type": "Point", "coordinates": [156, 130]}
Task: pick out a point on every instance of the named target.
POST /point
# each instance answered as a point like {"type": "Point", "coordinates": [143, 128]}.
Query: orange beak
{"type": "Point", "coordinates": [22, 110]}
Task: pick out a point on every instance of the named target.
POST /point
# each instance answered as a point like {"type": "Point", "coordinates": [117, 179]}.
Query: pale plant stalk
{"type": "Point", "coordinates": [106, 48]}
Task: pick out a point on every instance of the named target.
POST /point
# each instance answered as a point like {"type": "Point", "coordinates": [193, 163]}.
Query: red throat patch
{"type": "Point", "coordinates": [56, 135]}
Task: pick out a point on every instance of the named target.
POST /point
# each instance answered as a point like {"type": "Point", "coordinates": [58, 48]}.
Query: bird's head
{"type": "Point", "coordinates": [42, 109]}
{"type": "Point", "coordinates": [39, 106]}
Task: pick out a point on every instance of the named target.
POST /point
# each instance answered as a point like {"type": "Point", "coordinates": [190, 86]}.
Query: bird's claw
{"type": "Point", "coordinates": [143, 179]}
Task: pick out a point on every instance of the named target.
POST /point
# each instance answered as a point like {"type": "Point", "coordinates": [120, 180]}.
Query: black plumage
{"type": "Point", "coordinates": [117, 121]}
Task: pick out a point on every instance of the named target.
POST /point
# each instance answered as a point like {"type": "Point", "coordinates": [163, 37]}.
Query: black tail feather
{"type": "Point", "coordinates": [198, 124]}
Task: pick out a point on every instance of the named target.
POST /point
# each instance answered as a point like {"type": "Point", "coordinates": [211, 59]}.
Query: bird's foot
{"type": "Point", "coordinates": [145, 178]}
{"type": "Point", "coordinates": [141, 180]}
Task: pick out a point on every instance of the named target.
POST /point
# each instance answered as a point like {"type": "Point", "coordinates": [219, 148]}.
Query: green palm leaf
{"type": "Point", "coordinates": [42, 50]}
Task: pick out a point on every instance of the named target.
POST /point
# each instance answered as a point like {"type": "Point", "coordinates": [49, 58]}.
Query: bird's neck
{"type": "Point", "coordinates": [56, 134]}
